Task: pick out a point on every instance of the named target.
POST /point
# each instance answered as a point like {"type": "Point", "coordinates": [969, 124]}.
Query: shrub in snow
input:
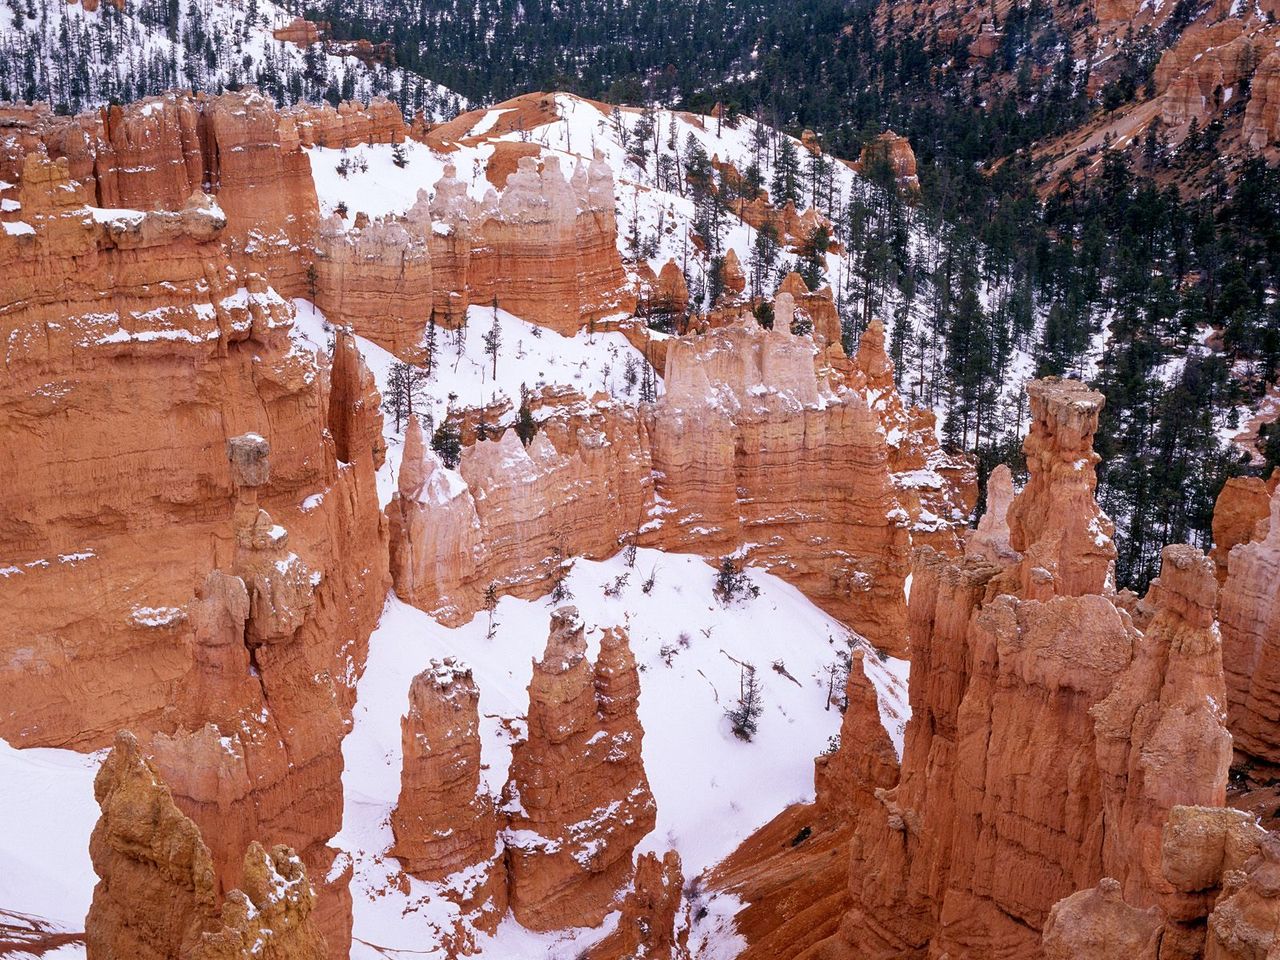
{"type": "Point", "coordinates": [744, 715]}
{"type": "Point", "coordinates": [733, 584]}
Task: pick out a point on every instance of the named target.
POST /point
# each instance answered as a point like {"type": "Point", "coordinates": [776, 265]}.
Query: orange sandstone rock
{"type": "Point", "coordinates": [578, 799]}
{"type": "Point", "coordinates": [1098, 924]}
{"type": "Point", "coordinates": [1242, 503]}
{"type": "Point", "coordinates": [990, 540]}
{"type": "Point", "coordinates": [444, 822]}
{"type": "Point", "coordinates": [969, 853]}
{"type": "Point", "coordinates": [156, 895]}
{"type": "Point", "coordinates": [1250, 616]}
{"type": "Point", "coordinates": [1055, 522]}
{"type": "Point", "coordinates": [895, 154]}
{"type": "Point", "coordinates": [648, 925]}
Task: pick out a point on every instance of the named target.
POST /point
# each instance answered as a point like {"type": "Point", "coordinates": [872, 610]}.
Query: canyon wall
{"type": "Point", "coordinates": [192, 551]}
{"type": "Point", "coordinates": [545, 249]}
{"type": "Point", "coordinates": [826, 478]}
{"type": "Point", "coordinates": [1049, 741]}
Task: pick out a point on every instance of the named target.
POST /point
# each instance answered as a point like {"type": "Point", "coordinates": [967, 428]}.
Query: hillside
{"type": "Point", "coordinates": [75, 56]}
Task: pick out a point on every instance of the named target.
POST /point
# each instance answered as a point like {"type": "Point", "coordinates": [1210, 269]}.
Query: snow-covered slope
{"type": "Point", "coordinates": [48, 812]}
{"type": "Point", "coordinates": [75, 58]}
{"type": "Point", "coordinates": [712, 789]}
{"type": "Point", "coordinates": [658, 217]}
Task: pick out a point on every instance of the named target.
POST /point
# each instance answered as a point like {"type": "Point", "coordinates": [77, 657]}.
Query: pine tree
{"type": "Point", "coordinates": [785, 187]}
{"type": "Point", "coordinates": [430, 343]}
{"type": "Point", "coordinates": [526, 426]}
{"type": "Point", "coordinates": [447, 441]}
{"type": "Point", "coordinates": [493, 339]}
{"type": "Point", "coordinates": [406, 388]}
{"type": "Point", "coordinates": [744, 715]}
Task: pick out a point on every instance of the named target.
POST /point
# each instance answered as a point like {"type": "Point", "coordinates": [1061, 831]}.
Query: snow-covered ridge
{"type": "Point", "coordinates": [75, 56]}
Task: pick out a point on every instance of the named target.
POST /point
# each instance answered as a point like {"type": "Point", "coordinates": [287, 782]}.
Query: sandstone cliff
{"type": "Point", "coordinates": [1251, 652]}
{"type": "Point", "coordinates": [544, 249]}
{"type": "Point", "coordinates": [151, 387]}
{"type": "Point", "coordinates": [1049, 738]}
{"type": "Point", "coordinates": [748, 445]}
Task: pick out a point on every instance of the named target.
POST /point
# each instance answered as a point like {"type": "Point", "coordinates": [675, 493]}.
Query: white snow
{"type": "Point", "coordinates": [47, 807]}
{"type": "Point", "coordinates": [528, 355]}
{"type": "Point", "coordinates": [712, 790]}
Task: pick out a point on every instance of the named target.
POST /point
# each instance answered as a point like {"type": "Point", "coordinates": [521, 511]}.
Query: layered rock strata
{"type": "Point", "coordinates": [1049, 738]}
{"type": "Point", "coordinates": [1249, 612]}
{"type": "Point", "coordinates": [578, 800]}
{"type": "Point", "coordinates": [544, 249]}
{"type": "Point", "coordinates": [748, 445]}
{"type": "Point", "coordinates": [650, 924]}
{"type": "Point", "coordinates": [151, 386]}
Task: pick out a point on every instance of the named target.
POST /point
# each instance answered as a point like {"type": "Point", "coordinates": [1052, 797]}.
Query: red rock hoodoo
{"type": "Point", "coordinates": [578, 800]}
{"type": "Point", "coordinates": [444, 823]}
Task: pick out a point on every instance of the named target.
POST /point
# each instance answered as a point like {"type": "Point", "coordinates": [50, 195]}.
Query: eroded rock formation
{"type": "Point", "coordinates": [578, 800]}
{"type": "Point", "coordinates": [545, 248]}
{"type": "Point", "coordinates": [157, 896]}
{"type": "Point", "coordinates": [748, 445]}
{"type": "Point", "coordinates": [444, 823]}
{"type": "Point", "coordinates": [151, 386]}
{"type": "Point", "coordinates": [1049, 738]}
{"type": "Point", "coordinates": [792, 874]}
{"type": "Point", "coordinates": [1250, 617]}
{"type": "Point", "coordinates": [649, 926]}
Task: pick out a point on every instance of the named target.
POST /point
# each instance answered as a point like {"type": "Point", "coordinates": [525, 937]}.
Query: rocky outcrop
{"type": "Point", "coordinates": [157, 895]}
{"type": "Point", "coordinates": [1055, 523]}
{"type": "Point", "coordinates": [1243, 503]}
{"type": "Point", "coordinates": [1206, 61]}
{"type": "Point", "coordinates": [816, 310]}
{"type": "Point", "coordinates": [549, 251]}
{"type": "Point", "coordinates": [545, 249]}
{"type": "Point", "coordinates": [378, 279]}
{"type": "Point", "coordinates": [512, 514]}
{"type": "Point", "coordinates": [1249, 612]}
{"type": "Point", "coordinates": [969, 853]}
{"type": "Point", "coordinates": [155, 388]}
{"type": "Point", "coordinates": [893, 153]}
{"type": "Point", "coordinates": [444, 823]}
{"type": "Point", "coordinates": [350, 123]}
{"type": "Point", "coordinates": [748, 445]}
{"type": "Point", "coordinates": [1245, 922]}
{"type": "Point", "coordinates": [846, 780]}
{"type": "Point", "coordinates": [578, 800]}
{"type": "Point", "coordinates": [1262, 113]}
{"type": "Point", "coordinates": [1098, 924]}
{"type": "Point", "coordinates": [938, 489]}
{"type": "Point", "coordinates": [1162, 738]}
{"type": "Point", "coordinates": [990, 539]}
{"type": "Point", "coordinates": [671, 293]}
{"type": "Point", "coordinates": [648, 924]}
{"type": "Point", "coordinates": [752, 447]}
{"type": "Point", "coordinates": [299, 32]}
